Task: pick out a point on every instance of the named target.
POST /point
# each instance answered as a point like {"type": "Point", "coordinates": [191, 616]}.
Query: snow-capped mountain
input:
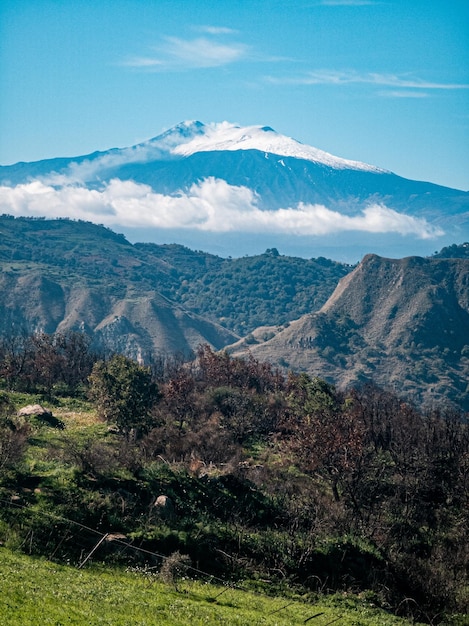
{"type": "Point", "coordinates": [226, 136]}
{"type": "Point", "coordinates": [206, 185]}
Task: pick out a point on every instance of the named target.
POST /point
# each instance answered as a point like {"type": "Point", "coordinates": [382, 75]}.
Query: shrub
{"type": "Point", "coordinates": [124, 393]}
{"type": "Point", "coordinates": [174, 568]}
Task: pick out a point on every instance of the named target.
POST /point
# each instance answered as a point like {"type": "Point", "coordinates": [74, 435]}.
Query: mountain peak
{"type": "Point", "coordinates": [231, 186]}
{"type": "Point", "coordinates": [173, 136]}
{"type": "Point", "coordinates": [227, 136]}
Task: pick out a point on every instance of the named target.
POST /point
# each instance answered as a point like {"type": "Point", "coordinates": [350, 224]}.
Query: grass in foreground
{"type": "Point", "coordinates": [34, 591]}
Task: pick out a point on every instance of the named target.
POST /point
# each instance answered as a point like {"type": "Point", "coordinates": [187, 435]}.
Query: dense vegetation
{"type": "Point", "coordinates": [240, 294]}
{"type": "Point", "coordinates": [279, 480]}
{"type": "Point", "coordinates": [244, 293]}
{"type": "Point", "coordinates": [454, 251]}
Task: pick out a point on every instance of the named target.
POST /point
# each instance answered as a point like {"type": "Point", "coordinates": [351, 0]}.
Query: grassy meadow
{"type": "Point", "coordinates": [35, 591]}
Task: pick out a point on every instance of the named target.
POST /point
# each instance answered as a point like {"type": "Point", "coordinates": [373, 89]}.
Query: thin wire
{"type": "Point", "coordinates": [143, 550]}
{"type": "Point", "coordinates": [156, 554]}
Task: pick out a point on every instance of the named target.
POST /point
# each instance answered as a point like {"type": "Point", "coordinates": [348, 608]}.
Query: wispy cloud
{"type": "Point", "coordinates": [205, 51]}
{"type": "Point", "coordinates": [79, 173]}
{"type": "Point", "coordinates": [402, 94]}
{"type": "Point", "coordinates": [348, 3]}
{"type": "Point", "coordinates": [215, 30]}
{"type": "Point", "coordinates": [142, 62]}
{"type": "Point", "coordinates": [340, 78]}
{"type": "Point", "coordinates": [210, 205]}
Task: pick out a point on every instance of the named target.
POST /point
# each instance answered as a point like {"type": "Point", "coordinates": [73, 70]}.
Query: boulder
{"type": "Point", "coordinates": [35, 410]}
{"type": "Point", "coordinates": [44, 416]}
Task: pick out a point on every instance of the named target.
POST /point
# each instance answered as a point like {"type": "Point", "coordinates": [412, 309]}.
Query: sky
{"type": "Point", "coordinates": [385, 82]}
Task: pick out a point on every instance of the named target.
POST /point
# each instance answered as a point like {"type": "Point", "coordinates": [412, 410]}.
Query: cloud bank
{"type": "Point", "coordinates": [211, 205]}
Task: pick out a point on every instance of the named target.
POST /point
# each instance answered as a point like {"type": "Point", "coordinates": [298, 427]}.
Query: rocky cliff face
{"type": "Point", "coordinates": [402, 323]}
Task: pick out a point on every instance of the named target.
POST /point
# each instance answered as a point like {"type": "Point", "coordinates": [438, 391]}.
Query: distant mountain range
{"type": "Point", "coordinates": [403, 324]}
{"type": "Point", "coordinates": [146, 300]}
{"type": "Point", "coordinates": [237, 190]}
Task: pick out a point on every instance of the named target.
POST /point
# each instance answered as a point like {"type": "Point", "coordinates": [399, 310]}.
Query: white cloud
{"type": "Point", "coordinates": [37, 199]}
{"type": "Point", "coordinates": [143, 62]}
{"type": "Point", "coordinates": [215, 30]}
{"type": "Point", "coordinates": [201, 52]}
{"type": "Point", "coordinates": [211, 205]}
{"type": "Point", "coordinates": [334, 77]}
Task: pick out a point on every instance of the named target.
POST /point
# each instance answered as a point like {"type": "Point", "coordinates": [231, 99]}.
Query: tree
{"type": "Point", "coordinates": [124, 394]}
{"type": "Point", "coordinates": [78, 358]}
{"type": "Point", "coordinates": [13, 357]}
{"type": "Point", "coordinates": [325, 436]}
{"type": "Point", "coordinates": [45, 363]}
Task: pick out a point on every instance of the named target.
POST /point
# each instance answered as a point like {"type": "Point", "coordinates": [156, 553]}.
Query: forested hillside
{"type": "Point", "coordinates": [239, 294]}
{"type": "Point", "coordinates": [236, 470]}
{"type": "Point", "coordinates": [251, 291]}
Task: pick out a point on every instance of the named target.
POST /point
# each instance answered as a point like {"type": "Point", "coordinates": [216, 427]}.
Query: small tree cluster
{"type": "Point", "coordinates": [44, 363]}
{"type": "Point", "coordinates": [212, 408]}
{"type": "Point", "coordinates": [124, 394]}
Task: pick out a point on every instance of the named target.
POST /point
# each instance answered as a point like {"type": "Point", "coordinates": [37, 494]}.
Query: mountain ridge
{"type": "Point", "coordinates": [60, 274]}
{"type": "Point", "coordinates": [400, 323]}
{"type": "Point", "coordinates": [225, 136]}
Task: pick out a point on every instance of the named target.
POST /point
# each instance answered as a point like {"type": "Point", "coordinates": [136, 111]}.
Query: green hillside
{"type": "Point", "coordinates": [35, 591]}
{"type": "Point", "coordinates": [240, 294]}
{"type": "Point", "coordinates": [278, 484]}
{"type": "Point", "coordinates": [267, 289]}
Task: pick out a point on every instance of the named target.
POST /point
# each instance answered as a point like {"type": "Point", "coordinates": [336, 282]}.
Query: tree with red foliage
{"type": "Point", "coordinates": [323, 433]}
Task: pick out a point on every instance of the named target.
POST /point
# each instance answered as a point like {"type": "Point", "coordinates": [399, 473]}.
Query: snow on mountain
{"type": "Point", "coordinates": [226, 136]}
{"type": "Point", "coordinates": [184, 140]}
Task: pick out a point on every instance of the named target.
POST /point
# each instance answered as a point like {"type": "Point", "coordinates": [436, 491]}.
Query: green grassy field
{"type": "Point", "coordinates": [37, 592]}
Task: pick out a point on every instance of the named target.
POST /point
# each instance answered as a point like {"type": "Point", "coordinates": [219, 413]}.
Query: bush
{"type": "Point", "coordinates": [124, 394]}
{"type": "Point", "coordinates": [174, 568]}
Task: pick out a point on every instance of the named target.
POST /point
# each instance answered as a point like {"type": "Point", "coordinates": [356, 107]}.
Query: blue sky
{"type": "Point", "coordinates": [385, 81]}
